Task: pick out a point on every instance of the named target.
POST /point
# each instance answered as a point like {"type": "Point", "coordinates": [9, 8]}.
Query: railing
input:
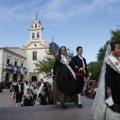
{"type": "Point", "coordinates": [8, 67]}
{"type": "Point", "coordinates": [15, 69]}
{"type": "Point", "coordinates": [23, 71]}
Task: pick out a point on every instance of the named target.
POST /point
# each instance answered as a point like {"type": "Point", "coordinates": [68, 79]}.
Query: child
{"type": "Point", "coordinates": [28, 98]}
{"type": "Point", "coordinates": [36, 93]}
{"type": "Point", "coordinates": [43, 95]}
{"type": "Point", "coordinates": [41, 98]}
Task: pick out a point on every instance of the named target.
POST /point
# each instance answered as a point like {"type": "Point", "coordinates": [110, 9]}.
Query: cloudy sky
{"type": "Point", "coordinates": [72, 23]}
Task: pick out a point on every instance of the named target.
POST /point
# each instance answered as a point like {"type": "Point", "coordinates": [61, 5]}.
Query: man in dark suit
{"type": "Point", "coordinates": [78, 64]}
{"type": "Point", "coordinates": [19, 92]}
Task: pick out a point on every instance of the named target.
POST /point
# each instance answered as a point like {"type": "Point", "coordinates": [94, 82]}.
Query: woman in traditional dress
{"type": "Point", "coordinates": [107, 101]}
{"type": "Point", "coordinates": [28, 98]}
{"type": "Point", "coordinates": [63, 80]}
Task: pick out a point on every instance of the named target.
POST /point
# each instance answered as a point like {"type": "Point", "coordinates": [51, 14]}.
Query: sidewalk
{"type": "Point", "coordinates": [48, 112]}
{"type": "Point", "coordinates": [6, 99]}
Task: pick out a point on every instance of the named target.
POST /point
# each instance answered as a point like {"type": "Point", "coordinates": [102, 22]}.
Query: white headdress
{"type": "Point", "coordinates": [99, 106]}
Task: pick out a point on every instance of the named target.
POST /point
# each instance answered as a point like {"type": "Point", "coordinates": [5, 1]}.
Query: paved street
{"type": "Point", "coordinates": [6, 99]}
{"type": "Point", "coordinates": [48, 112]}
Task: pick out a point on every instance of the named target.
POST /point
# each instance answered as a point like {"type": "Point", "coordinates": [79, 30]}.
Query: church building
{"type": "Point", "coordinates": [18, 63]}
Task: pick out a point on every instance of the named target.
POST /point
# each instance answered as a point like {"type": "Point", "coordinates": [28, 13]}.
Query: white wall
{"type": "Point", "coordinates": [1, 64]}
{"type": "Point", "coordinates": [30, 62]}
{"type": "Point", "coordinates": [13, 57]}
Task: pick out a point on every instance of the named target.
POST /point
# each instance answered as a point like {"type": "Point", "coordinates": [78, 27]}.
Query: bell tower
{"type": "Point", "coordinates": [35, 49]}
{"type": "Point", "coordinates": [36, 30]}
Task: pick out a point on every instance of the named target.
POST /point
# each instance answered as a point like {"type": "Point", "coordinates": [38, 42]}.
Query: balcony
{"type": "Point", "coordinates": [15, 69]}
{"type": "Point", "coordinates": [8, 68]}
{"type": "Point", "coordinates": [23, 71]}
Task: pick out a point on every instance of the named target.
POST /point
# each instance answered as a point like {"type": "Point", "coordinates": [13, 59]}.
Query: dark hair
{"type": "Point", "coordinates": [41, 79]}
{"type": "Point", "coordinates": [112, 45]}
{"type": "Point", "coordinates": [61, 48]}
{"type": "Point", "coordinates": [79, 47]}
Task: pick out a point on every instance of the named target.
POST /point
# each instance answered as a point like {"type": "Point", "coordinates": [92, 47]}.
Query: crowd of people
{"type": "Point", "coordinates": [36, 93]}
{"type": "Point", "coordinates": [30, 93]}
{"type": "Point", "coordinates": [90, 89]}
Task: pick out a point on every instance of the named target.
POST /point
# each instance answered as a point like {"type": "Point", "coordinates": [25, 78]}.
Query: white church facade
{"type": "Point", "coordinates": [18, 63]}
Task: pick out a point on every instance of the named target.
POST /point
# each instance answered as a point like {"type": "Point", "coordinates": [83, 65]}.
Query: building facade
{"type": "Point", "coordinates": [12, 63]}
{"type": "Point", "coordinates": [18, 63]}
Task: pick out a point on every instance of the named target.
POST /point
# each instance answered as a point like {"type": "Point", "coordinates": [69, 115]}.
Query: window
{"type": "Point", "coordinates": [33, 35]}
{"type": "Point", "coordinates": [8, 61]}
{"type": "Point", "coordinates": [38, 35]}
{"type": "Point", "coordinates": [15, 63]}
{"type": "Point", "coordinates": [21, 64]}
{"type": "Point", "coordinates": [35, 55]}
{"type": "Point", "coordinates": [35, 25]}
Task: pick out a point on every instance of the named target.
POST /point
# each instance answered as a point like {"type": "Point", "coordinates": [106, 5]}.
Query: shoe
{"type": "Point", "coordinates": [63, 105]}
{"type": "Point", "coordinates": [80, 106]}
{"type": "Point", "coordinates": [76, 102]}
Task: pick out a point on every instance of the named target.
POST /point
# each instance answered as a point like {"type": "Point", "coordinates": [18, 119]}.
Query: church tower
{"type": "Point", "coordinates": [35, 49]}
{"type": "Point", "coordinates": [36, 30]}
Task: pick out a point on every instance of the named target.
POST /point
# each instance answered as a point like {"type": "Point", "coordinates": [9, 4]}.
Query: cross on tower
{"type": "Point", "coordinates": [36, 15]}
{"type": "Point", "coordinates": [52, 39]}
{"type": "Point", "coordinates": [53, 43]}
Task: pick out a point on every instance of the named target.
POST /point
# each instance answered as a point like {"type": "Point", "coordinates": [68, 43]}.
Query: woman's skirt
{"type": "Point", "coordinates": [64, 86]}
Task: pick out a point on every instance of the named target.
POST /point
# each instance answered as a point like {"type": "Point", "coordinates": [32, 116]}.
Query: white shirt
{"type": "Point", "coordinates": [19, 88]}
{"type": "Point", "coordinates": [82, 62]}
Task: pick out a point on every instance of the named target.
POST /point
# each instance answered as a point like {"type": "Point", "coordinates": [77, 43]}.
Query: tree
{"type": "Point", "coordinates": [70, 53]}
{"type": "Point", "coordinates": [45, 65]}
{"type": "Point", "coordinates": [102, 50]}
{"type": "Point", "coordinates": [115, 37]}
{"type": "Point", "coordinates": [95, 67]}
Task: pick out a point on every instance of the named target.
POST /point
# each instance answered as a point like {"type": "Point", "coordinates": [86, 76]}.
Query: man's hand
{"type": "Point", "coordinates": [87, 79]}
{"type": "Point", "coordinates": [82, 69]}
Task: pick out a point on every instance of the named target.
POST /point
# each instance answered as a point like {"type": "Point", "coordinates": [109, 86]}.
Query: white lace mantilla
{"type": "Point", "coordinates": [66, 61]}
{"type": "Point", "coordinates": [100, 111]}
{"type": "Point", "coordinates": [114, 63]}
{"type": "Point", "coordinates": [28, 96]}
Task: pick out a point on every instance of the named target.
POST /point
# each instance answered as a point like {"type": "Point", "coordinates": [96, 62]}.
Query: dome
{"type": "Point", "coordinates": [53, 46]}
{"type": "Point", "coordinates": [36, 21]}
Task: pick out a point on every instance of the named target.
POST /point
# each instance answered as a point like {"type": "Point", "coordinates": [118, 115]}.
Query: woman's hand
{"type": "Point", "coordinates": [116, 63]}
{"type": "Point", "coordinates": [76, 66]}
{"type": "Point", "coordinates": [109, 92]}
{"type": "Point", "coordinates": [87, 79]}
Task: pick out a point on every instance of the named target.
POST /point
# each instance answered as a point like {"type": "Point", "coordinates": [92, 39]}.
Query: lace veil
{"type": "Point", "coordinates": [99, 106]}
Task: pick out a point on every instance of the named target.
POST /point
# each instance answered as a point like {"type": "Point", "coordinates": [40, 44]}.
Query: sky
{"type": "Point", "coordinates": [72, 23]}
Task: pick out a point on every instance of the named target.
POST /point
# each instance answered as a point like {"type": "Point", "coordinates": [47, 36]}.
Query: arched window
{"type": "Point", "coordinates": [35, 25]}
{"type": "Point", "coordinates": [33, 35]}
{"type": "Point", "coordinates": [38, 35]}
